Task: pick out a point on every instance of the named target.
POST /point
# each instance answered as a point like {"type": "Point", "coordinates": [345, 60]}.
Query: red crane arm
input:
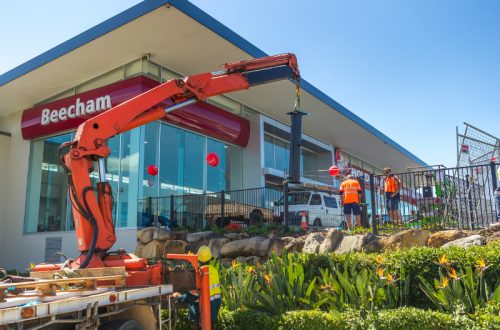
{"type": "Point", "coordinates": [92, 207]}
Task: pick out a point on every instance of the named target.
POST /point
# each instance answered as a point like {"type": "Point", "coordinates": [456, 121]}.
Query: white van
{"type": "Point", "coordinates": [319, 208]}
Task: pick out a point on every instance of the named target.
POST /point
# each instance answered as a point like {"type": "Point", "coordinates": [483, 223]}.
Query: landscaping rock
{"type": "Point", "coordinates": [166, 235]}
{"type": "Point", "coordinates": [405, 239]}
{"type": "Point", "coordinates": [312, 243]}
{"type": "Point", "coordinates": [174, 246]}
{"type": "Point", "coordinates": [193, 247]}
{"type": "Point", "coordinates": [296, 245]}
{"type": "Point", "coordinates": [254, 246]}
{"type": "Point", "coordinates": [440, 238]}
{"type": "Point", "coordinates": [153, 249]}
{"type": "Point", "coordinates": [216, 244]}
{"type": "Point", "coordinates": [373, 245]}
{"type": "Point", "coordinates": [146, 235]}
{"type": "Point", "coordinates": [138, 249]}
{"type": "Point", "coordinates": [332, 240]}
{"type": "Point", "coordinates": [352, 243]}
{"type": "Point", "coordinates": [490, 230]}
{"type": "Point", "coordinates": [202, 235]}
{"type": "Point", "coordinates": [467, 241]}
{"type": "Point", "coordinates": [236, 236]}
{"type": "Point", "coordinates": [276, 246]}
{"type": "Point", "coordinates": [492, 238]}
{"type": "Point", "coordinates": [252, 260]}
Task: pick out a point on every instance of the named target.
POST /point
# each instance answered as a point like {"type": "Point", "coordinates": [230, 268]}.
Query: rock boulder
{"type": "Point", "coordinates": [153, 249]}
{"type": "Point", "coordinates": [174, 246]}
{"type": "Point", "coordinates": [467, 241]}
{"type": "Point", "coordinates": [332, 240]}
{"type": "Point", "coordinates": [440, 238]}
{"type": "Point", "coordinates": [352, 243]}
{"type": "Point", "coordinates": [405, 239]}
{"type": "Point", "coordinates": [199, 236]}
{"type": "Point", "coordinates": [312, 243]}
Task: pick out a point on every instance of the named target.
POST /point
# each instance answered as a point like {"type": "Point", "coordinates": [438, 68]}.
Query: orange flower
{"type": "Point", "coordinates": [234, 264]}
{"type": "Point", "coordinates": [453, 274]}
{"type": "Point", "coordinates": [481, 265]}
{"type": "Point", "coordinates": [444, 283]}
{"type": "Point", "coordinates": [443, 261]}
{"type": "Point", "coordinates": [390, 279]}
{"type": "Point", "coordinates": [380, 272]}
{"type": "Point", "coordinates": [250, 269]}
{"type": "Point", "coordinates": [379, 260]}
{"type": "Point", "coordinates": [267, 278]}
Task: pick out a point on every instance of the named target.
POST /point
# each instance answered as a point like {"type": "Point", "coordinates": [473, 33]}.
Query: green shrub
{"type": "Point", "coordinates": [407, 318]}
{"type": "Point", "coordinates": [246, 320]}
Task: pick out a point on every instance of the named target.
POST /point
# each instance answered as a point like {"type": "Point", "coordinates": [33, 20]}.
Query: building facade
{"type": "Point", "coordinates": [49, 96]}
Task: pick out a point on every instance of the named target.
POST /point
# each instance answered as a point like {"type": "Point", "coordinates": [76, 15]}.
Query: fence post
{"type": "Point", "coordinates": [285, 205]}
{"type": "Point", "coordinates": [222, 204]}
{"type": "Point", "coordinates": [493, 175]}
{"type": "Point", "coordinates": [374, 209]}
{"type": "Point", "coordinates": [469, 202]}
{"type": "Point", "coordinates": [171, 211]}
{"type": "Point", "coordinates": [149, 203]}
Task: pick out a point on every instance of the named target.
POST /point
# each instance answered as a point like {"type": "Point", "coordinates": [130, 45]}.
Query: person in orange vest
{"type": "Point", "coordinates": [204, 256]}
{"type": "Point", "coordinates": [350, 190]}
{"type": "Point", "coordinates": [392, 186]}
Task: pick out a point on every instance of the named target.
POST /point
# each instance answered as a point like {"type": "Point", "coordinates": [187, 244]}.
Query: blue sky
{"type": "Point", "coordinates": [413, 69]}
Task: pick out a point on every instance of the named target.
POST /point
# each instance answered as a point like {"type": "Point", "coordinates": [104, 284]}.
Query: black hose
{"type": "Point", "coordinates": [90, 252]}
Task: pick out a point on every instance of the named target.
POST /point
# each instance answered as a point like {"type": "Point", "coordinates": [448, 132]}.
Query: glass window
{"type": "Point", "coordinates": [330, 202]}
{"type": "Point", "coordinates": [309, 164]}
{"type": "Point", "coordinates": [47, 196]}
{"type": "Point", "coordinates": [269, 151]}
{"type": "Point", "coordinates": [194, 162]}
{"type": "Point", "coordinates": [171, 158]}
{"type": "Point", "coordinates": [150, 158]}
{"type": "Point", "coordinates": [216, 175]}
{"type": "Point", "coordinates": [315, 199]}
{"type": "Point", "coordinates": [127, 193]}
{"type": "Point", "coordinates": [281, 154]}
{"type": "Point", "coordinates": [234, 168]}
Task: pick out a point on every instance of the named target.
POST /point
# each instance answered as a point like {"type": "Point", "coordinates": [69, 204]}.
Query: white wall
{"type": "Point", "coordinates": [252, 169]}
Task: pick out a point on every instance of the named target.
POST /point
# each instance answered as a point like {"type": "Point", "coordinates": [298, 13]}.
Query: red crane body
{"type": "Point", "coordinates": [92, 206]}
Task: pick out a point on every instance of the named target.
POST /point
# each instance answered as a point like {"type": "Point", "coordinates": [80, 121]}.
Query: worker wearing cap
{"type": "Point", "coordinates": [204, 256]}
{"type": "Point", "coordinates": [350, 190]}
{"type": "Point", "coordinates": [392, 186]}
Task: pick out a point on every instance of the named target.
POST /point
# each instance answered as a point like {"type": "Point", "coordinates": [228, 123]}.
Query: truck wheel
{"type": "Point", "coordinates": [256, 217]}
{"type": "Point", "coordinates": [317, 222]}
{"type": "Point", "coordinates": [122, 325]}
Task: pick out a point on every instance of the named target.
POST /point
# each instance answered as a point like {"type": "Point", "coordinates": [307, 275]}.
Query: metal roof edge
{"type": "Point", "coordinates": [81, 39]}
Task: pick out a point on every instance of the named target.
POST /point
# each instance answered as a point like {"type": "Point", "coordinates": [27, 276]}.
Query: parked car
{"type": "Point", "coordinates": [319, 208]}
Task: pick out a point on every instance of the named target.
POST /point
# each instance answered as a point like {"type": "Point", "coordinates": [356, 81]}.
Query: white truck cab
{"type": "Point", "coordinates": [319, 208]}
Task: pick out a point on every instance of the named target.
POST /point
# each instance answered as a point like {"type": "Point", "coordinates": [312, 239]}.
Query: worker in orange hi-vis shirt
{"type": "Point", "coordinates": [350, 191]}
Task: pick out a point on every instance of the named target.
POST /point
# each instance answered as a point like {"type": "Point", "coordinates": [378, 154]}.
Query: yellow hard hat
{"type": "Point", "coordinates": [204, 253]}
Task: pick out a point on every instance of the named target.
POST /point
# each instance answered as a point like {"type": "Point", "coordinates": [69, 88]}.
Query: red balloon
{"type": "Point", "coordinates": [152, 170]}
{"type": "Point", "coordinates": [334, 170]}
{"type": "Point", "coordinates": [212, 159]}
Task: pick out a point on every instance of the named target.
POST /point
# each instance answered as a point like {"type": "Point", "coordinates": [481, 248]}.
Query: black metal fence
{"type": "Point", "coordinates": [237, 208]}
{"type": "Point", "coordinates": [436, 198]}
{"type": "Point", "coordinates": [240, 208]}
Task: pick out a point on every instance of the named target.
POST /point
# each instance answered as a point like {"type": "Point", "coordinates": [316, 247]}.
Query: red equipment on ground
{"type": "Point", "coordinates": [92, 206]}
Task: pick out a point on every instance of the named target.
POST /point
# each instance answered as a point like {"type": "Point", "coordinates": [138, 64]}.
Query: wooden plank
{"type": "Point", "coordinates": [87, 272]}
{"type": "Point", "coordinates": [78, 280]}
